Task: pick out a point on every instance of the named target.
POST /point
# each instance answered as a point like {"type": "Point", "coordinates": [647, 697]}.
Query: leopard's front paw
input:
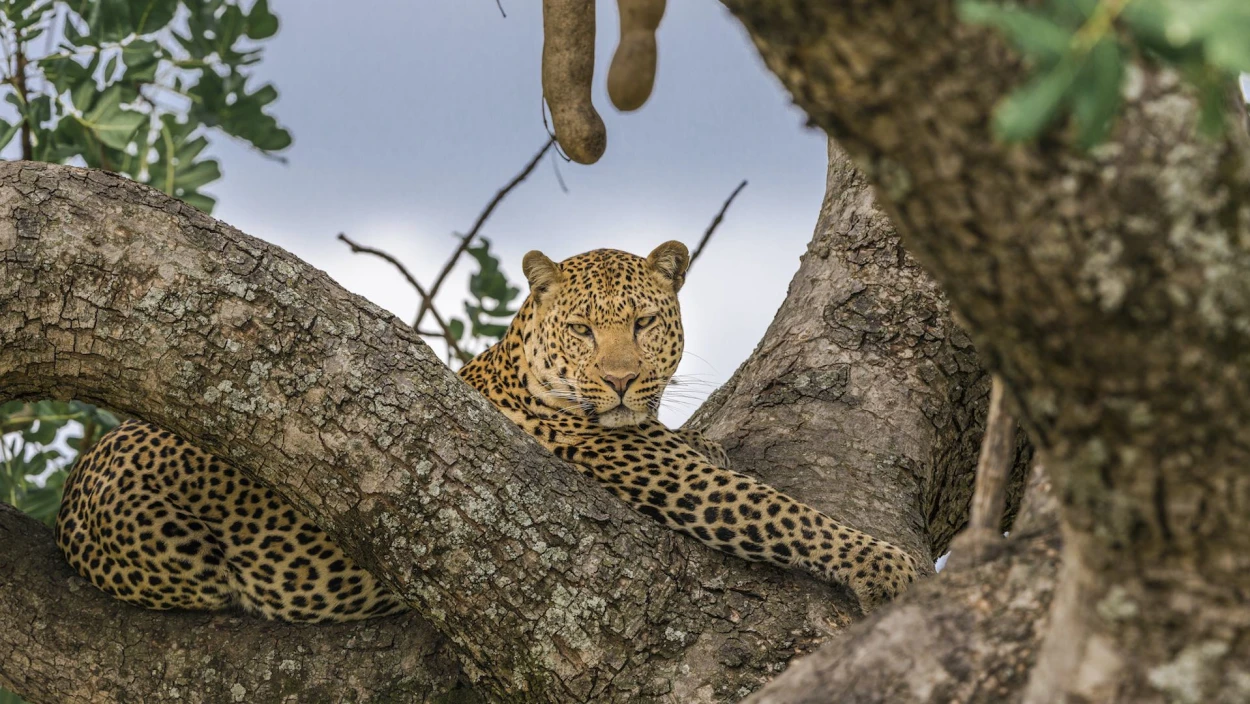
{"type": "Point", "coordinates": [894, 574]}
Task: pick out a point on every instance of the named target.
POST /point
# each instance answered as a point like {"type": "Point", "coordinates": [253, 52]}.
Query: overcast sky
{"type": "Point", "coordinates": [408, 116]}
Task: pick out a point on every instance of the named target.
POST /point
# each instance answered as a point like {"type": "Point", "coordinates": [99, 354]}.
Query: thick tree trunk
{"type": "Point", "coordinates": [907, 368]}
{"type": "Point", "coordinates": [863, 397]}
{"type": "Point", "coordinates": [1112, 292]}
{"type": "Point", "coordinates": [542, 585]}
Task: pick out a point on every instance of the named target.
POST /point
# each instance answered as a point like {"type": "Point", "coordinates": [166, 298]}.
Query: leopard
{"type": "Point", "coordinates": [157, 522]}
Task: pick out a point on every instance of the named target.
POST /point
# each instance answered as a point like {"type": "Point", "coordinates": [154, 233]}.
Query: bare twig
{"type": "Point", "coordinates": [427, 299]}
{"type": "Point", "coordinates": [997, 450]}
{"type": "Point", "coordinates": [978, 542]}
{"type": "Point", "coordinates": [707, 234]}
{"type": "Point", "coordinates": [442, 324]}
{"type": "Point", "coordinates": [555, 166]}
{"type": "Point", "coordinates": [499, 4]}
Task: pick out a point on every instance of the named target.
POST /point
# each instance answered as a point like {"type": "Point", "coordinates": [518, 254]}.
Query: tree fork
{"type": "Point", "coordinates": [122, 296]}
{"type": "Point", "coordinates": [544, 585]}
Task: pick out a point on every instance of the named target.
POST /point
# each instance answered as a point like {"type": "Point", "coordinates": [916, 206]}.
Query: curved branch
{"type": "Point", "coordinates": [864, 397]}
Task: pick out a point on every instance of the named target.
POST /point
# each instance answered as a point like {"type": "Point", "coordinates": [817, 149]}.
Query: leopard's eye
{"type": "Point", "coordinates": [580, 329]}
{"type": "Point", "coordinates": [644, 322]}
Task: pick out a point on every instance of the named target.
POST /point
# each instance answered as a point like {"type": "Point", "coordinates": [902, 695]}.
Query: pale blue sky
{"type": "Point", "coordinates": [408, 116]}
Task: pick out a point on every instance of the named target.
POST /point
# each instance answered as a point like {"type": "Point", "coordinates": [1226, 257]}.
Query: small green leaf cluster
{"type": "Point", "coordinates": [1079, 49]}
{"type": "Point", "coordinates": [489, 310]}
{"type": "Point", "coordinates": [32, 469]}
{"type": "Point", "coordinates": [134, 86]}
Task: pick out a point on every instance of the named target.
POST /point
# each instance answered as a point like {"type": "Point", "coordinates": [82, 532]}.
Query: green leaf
{"type": "Point", "coordinates": [229, 28]}
{"type": "Point", "coordinates": [261, 23]}
{"type": "Point", "coordinates": [1074, 12]}
{"type": "Point", "coordinates": [84, 95]}
{"type": "Point", "coordinates": [197, 175]}
{"type": "Point", "coordinates": [44, 433]}
{"type": "Point", "coordinates": [105, 419]}
{"type": "Point", "coordinates": [42, 503]}
{"type": "Point", "coordinates": [199, 201]}
{"type": "Point", "coordinates": [456, 326]}
{"type": "Point", "coordinates": [64, 72]}
{"type": "Point", "coordinates": [1096, 95]}
{"type": "Point", "coordinates": [1212, 101]}
{"type": "Point", "coordinates": [490, 330]}
{"type": "Point", "coordinates": [1228, 44]}
{"type": "Point", "coordinates": [1038, 38]}
{"type": "Point", "coordinates": [14, 8]}
{"type": "Point", "coordinates": [108, 21]}
{"type": "Point", "coordinates": [1026, 112]}
{"type": "Point", "coordinates": [190, 149]}
{"type": "Point", "coordinates": [110, 123]}
{"type": "Point", "coordinates": [150, 15]}
{"type": "Point", "coordinates": [8, 131]}
{"type": "Point", "coordinates": [142, 59]}
{"type": "Point", "coordinates": [110, 67]}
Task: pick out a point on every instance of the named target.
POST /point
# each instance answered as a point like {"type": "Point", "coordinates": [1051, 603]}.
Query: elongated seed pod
{"type": "Point", "coordinates": [632, 73]}
{"type": "Point", "coordinates": [568, 70]}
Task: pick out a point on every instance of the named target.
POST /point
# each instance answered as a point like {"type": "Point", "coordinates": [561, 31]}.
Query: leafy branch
{"type": "Point", "coordinates": [1079, 50]}
{"type": "Point", "coordinates": [427, 301]}
{"type": "Point", "coordinates": [31, 467]}
{"type": "Point", "coordinates": [135, 87]}
{"type": "Point", "coordinates": [492, 294]}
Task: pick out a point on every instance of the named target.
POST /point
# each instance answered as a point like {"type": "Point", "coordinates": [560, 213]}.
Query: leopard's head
{"type": "Point", "coordinates": [602, 332]}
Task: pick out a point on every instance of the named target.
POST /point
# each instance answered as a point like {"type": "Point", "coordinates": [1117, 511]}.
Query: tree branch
{"type": "Point", "coordinates": [446, 333]}
{"type": "Point", "coordinates": [720, 215]}
{"type": "Point", "coordinates": [863, 397]}
{"type": "Point", "coordinates": [984, 534]}
{"type": "Point", "coordinates": [427, 302]}
{"type": "Point", "coordinates": [969, 636]}
{"type": "Point", "coordinates": [19, 82]}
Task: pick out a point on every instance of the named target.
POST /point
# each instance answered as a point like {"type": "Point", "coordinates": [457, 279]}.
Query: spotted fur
{"type": "Point", "coordinates": [159, 523]}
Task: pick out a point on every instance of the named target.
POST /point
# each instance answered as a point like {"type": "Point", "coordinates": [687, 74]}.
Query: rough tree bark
{"type": "Point", "coordinates": [863, 397]}
{"type": "Point", "coordinates": [541, 585]}
{"type": "Point", "coordinates": [1112, 292]}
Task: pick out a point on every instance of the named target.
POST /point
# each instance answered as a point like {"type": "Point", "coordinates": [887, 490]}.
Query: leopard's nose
{"type": "Point", "coordinates": [619, 382]}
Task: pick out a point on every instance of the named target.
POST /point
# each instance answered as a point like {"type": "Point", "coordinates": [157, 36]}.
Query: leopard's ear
{"type": "Point", "coordinates": [542, 273]}
{"type": "Point", "coordinates": [670, 261]}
